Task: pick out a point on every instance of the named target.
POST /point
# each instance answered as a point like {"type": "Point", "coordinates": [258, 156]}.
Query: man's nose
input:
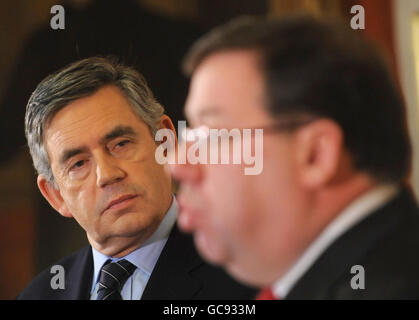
{"type": "Point", "coordinates": [108, 171]}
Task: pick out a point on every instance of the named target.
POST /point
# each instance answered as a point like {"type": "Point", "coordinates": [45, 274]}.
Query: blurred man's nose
{"type": "Point", "coordinates": [108, 171]}
{"type": "Point", "coordinates": [184, 171]}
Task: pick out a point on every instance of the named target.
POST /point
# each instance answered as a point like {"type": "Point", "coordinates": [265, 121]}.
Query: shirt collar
{"type": "Point", "coordinates": [146, 256]}
{"type": "Point", "coordinates": [354, 213]}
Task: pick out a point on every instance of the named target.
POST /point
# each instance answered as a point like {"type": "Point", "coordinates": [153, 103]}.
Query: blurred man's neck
{"type": "Point", "coordinates": [331, 201]}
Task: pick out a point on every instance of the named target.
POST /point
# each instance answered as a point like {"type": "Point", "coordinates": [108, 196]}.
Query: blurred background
{"type": "Point", "coordinates": [153, 36]}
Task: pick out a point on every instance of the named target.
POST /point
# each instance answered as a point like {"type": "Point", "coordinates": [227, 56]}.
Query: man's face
{"type": "Point", "coordinates": [239, 221]}
{"type": "Point", "coordinates": [102, 158]}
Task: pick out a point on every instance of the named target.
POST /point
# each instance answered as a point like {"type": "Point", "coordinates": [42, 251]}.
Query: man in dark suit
{"type": "Point", "coordinates": [90, 130]}
{"type": "Point", "coordinates": [330, 215]}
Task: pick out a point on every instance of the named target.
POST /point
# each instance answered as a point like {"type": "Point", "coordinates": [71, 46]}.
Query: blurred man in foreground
{"type": "Point", "coordinates": [329, 216]}
{"type": "Point", "coordinates": [90, 130]}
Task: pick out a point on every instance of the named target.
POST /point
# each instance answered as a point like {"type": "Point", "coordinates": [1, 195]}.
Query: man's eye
{"type": "Point", "coordinates": [78, 164]}
{"type": "Point", "coordinates": [122, 143]}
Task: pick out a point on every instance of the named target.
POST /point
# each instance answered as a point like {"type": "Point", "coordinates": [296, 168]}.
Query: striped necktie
{"type": "Point", "coordinates": [112, 278]}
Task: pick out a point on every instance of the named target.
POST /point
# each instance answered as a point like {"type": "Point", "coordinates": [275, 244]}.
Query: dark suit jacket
{"type": "Point", "coordinates": [386, 244]}
{"type": "Point", "coordinates": [179, 274]}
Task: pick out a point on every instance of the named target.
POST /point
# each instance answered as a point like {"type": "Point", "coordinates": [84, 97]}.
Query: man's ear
{"type": "Point", "coordinates": [166, 123]}
{"type": "Point", "coordinates": [53, 196]}
{"type": "Point", "coordinates": [318, 152]}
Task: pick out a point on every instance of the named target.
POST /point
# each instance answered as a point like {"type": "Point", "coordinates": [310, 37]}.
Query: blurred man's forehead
{"type": "Point", "coordinates": [203, 114]}
{"type": "Point", "coordinates": [227, 86]}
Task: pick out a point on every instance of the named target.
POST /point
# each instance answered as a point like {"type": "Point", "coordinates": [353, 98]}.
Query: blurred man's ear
{"type": "Point", "coordinates": [319, 149]}
{"type": "Point", "coordinates": [53, 196]}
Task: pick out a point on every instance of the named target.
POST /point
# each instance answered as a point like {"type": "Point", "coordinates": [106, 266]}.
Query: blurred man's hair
{"type": "Point", "coordinates": [327, 70]}
{"type": "Point", "coordinates": [81, 79]}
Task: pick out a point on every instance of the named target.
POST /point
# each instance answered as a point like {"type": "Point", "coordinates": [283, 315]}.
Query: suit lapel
{"type": "Point", "coordinates": [171, 276]}
{"type": "Point", "coordinates": [338, 259]}
{"type": "Point", "coordinates": [78, 276]}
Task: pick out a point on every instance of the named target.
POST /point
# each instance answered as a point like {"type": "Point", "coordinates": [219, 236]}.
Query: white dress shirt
{"type": "Point", "coordinates": [358, 210]}
{"type": "Point", "coordinates": [144, 258]}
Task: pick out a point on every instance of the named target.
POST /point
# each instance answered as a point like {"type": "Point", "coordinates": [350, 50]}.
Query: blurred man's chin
{"type": "Point", "coordinates": [209, 250]}
{"type": "Point", "coordinates": [246, 277]}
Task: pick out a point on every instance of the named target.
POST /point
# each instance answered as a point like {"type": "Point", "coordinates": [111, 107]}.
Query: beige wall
{"type": "Point", "coordinates": [404, 14]}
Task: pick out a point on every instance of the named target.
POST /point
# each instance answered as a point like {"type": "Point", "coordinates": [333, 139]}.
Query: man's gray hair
{"type": "Point", "coordinates": [81, 79]}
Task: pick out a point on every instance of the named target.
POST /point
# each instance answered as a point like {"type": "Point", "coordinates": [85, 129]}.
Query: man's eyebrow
{"type": "Point", "coordinates": [118, 131]}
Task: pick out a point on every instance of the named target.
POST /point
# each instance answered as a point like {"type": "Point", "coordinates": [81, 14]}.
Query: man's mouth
{"type": "Point", "coordinates": [121, 201]}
